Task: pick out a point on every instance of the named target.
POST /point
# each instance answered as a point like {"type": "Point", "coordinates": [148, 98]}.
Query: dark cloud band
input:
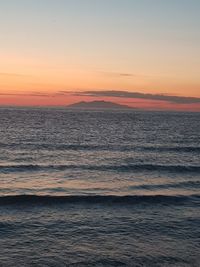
{"type": "Point", "coordinates": [126, 94]}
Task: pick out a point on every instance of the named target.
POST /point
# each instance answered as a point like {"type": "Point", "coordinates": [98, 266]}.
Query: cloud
{"type": "Point", "coordinates": [116, 74]}
{"type": "Point", "coordinates": [25, 94]}
{"type": "Point", "coordinates": [63, 93]}
{"type": "Point", "coordinates": [111, 93]}
{"type": "Point", "coordinates": [127, 94]}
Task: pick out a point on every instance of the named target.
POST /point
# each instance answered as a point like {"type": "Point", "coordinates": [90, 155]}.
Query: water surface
{"type": "Point", "coordinates": [99, 188]}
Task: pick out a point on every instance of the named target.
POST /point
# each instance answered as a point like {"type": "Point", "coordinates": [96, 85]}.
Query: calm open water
{"type": "Point", "coordinates": [99, 188]}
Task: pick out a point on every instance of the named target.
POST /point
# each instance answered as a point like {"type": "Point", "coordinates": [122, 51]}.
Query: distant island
{"type": "Point", "coordinates": [98, 105]}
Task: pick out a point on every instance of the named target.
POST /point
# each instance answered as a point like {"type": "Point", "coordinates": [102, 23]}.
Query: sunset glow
{"type": "Point", "coordinates": [48, 47]}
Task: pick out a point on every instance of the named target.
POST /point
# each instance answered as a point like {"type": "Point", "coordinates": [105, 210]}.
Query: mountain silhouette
{"type": "Point", "coordinates": [98, 105]}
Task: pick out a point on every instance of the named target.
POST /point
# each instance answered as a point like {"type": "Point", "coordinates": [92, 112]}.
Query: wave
{"type": "Point", "coordinates": [185, 184]}
{"type": "Point", "coordinates": [118, 168]}
{"type": "Point", "coordinates": [98, 199]}
{"type": "Point", "coordinates": [93, 147]}
{"type": "Point", "coordinates": [185, 149]}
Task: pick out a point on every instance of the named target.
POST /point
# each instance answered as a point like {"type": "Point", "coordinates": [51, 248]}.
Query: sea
{"type": "Point", "coordinates": [99, 188]}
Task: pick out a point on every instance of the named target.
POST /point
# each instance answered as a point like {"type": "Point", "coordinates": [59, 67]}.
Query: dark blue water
{"type": "Point", "coordinates": [99, 188]}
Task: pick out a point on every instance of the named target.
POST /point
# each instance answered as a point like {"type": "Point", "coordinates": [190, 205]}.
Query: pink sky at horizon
{"type": "Point", "coordinates": [64, 100]}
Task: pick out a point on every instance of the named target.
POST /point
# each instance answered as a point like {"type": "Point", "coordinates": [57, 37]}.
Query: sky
{"type": "Point", "coordinates": [57, 52]}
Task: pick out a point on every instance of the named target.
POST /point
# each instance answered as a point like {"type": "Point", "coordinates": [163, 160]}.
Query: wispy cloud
{"type": "Point", "coordinates": [26, 94]}
{"type": "Point", "coordinates": [127, 94]}
{"type": "Point", "coordinates": [118, 74]}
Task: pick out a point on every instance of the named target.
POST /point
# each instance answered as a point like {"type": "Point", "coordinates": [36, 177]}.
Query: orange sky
{"type": "Point", "coordinates": [128, 46]}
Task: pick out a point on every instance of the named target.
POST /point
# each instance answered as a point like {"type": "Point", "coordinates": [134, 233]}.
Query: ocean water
{"type": "Point", "coordinates": [99, 188]}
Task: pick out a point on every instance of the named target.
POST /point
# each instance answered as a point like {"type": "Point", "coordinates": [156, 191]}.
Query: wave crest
{"type": "Point", "coordinates": [118, 168]}
{"type": "Point", "coordinates": [97, 199]}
